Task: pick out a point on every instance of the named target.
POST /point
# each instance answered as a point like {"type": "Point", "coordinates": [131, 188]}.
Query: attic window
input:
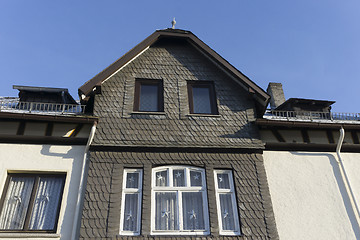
{"type": "Point", "coordinates": [202, 97]}
{"type": "Point", "coordinates": [148, 96]}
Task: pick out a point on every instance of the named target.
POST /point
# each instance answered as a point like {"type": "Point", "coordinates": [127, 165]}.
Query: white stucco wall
{"type": "Point", "coordinates": [308, 194]}
{"type": "Point", "coordinates": [35, 158]}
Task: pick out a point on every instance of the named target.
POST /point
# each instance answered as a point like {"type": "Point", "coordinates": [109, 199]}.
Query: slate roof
{"type": "Point", "coordinates": [174, 64]}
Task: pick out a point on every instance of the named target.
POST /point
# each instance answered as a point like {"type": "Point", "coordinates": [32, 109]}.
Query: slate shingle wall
{"type": "Point", "coordinates": [174, 64]}
{"type": "Point", "coordinates": [101, 214]}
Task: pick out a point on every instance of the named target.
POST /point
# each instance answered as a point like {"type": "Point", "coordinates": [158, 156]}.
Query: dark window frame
{"type": "Point", "coordinates": [160, 93]}
{"type": "Point", "coordinates": [37, 177]}
{"type": "Point", "coordinates": [203, 84]}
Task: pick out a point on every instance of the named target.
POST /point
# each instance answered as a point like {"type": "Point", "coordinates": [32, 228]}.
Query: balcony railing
{"type": "Point", "coordinates": [14, 105]}
{"type": "Point", "coordinates": [302, 115]}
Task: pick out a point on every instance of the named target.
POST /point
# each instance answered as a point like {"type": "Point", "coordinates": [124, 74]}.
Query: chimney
{"type": "Point", "coordinates": [276, 93]}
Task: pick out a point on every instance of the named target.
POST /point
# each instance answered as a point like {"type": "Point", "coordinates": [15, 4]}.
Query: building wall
{"type": "Point", "coordinates": [174, 64]}
{"type": "Point", "coordinates": [308, 194]}
{"type": "Point", "coordinates": [101, 213]}
{"type": "Point", "coordinates": [46, 158]}
{"type": "Point", "coordinates": [174, 137]}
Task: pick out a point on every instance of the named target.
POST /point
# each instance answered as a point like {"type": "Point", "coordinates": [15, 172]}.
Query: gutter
{"type": "Point", "coordinates": [345, 178]}
{"type": "Point", "coordinates": [81, 192]}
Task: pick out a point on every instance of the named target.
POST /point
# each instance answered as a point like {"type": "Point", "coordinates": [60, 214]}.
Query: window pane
{"type": "Point", "coordinates": [131, 212]}
{"type": "Point", "coordinates": [193, 214]}
{"type": "Point", "coordinates": [223, 181]}
{"type": "Point", "coordinates": [195, 179]}
{"type": "Point", "coordinates": [166, 211]}
{"type": "Point", "coordinates": [161, 178]}
{"type": "Point", "coordinates": [201, 99]}
{"type": "Point", "coordinates": [132, 180]}
{"type": "Point", "coordinates": [16, 203]}
{"type": "Point", "coordinates": [47, 200]}
{"type": "Point", "coordinates": [148, 98]}
{"type": "Point", "coordinates": [179, 178]}
{"type": "Point", "coordinates": [227, 212]}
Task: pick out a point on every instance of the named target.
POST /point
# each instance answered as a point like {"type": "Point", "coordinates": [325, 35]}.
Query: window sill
{"type": "Point", "coordinates": [29, 235]}
{"type": "Point", "coordinates": [230, 233]}
{"type": "Point", "coordinates": [187, 233]}
{"type": "Point", "coordinates": [203, 115]}
{"type": "Point", "coordinates": [148, 113]}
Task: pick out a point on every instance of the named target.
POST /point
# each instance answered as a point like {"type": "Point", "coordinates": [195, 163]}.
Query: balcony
{"type": "Point", "coordinates": [312, 116]}
{"type": "Point", "coordinates": [13, 105]}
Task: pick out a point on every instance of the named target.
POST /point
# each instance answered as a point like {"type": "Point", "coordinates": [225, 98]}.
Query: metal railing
{"type": "Point", "coordinates": [12, 105]}
{"type": "Point", "coordinates": [302, 115]}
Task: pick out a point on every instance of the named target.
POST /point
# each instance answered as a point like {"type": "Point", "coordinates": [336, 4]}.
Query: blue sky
{"type": "Point", "coordinates": [311, 47]}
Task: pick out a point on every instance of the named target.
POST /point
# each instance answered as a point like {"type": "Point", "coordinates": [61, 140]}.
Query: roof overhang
{"type": "Point", "coordinates": [302, 124]}
{"type": "Point", "coordinates": [48, 118]}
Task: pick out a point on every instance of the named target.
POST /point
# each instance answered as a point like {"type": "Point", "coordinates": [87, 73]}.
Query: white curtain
{"type": "Point", "coordinates": [149, 98]}
{"type": "Point", "coordinates": [227, 212]}
{"type": "Point", "coordinates": [223, 181]}
{"type": "Point", "coordinates": [201, 98]}
{"type": "Point", "coordinates": [131, 212]}
{"type": "Point", "coordinates": [193, 214]}
{"type": "Point", "coordinates": [161, 178]}
{"type": "Point", "coordinates": [16, 203]}
{"type": "Point", "coordinates": [46, 203]}
{"type": "Point", "coordinates": [132, 180]}
{"type": "Point", "coordinates": [179, 178]}
{"type": "Point", "coordinates": [195, 179]}
{"type": "Point", "coordinates": [166, 212]}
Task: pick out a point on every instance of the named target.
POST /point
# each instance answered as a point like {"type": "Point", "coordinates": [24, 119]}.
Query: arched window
{"type": "Point", "coordinates": [179, 201]}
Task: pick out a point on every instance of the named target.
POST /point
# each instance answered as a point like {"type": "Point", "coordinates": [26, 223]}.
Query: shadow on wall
{"type": "Point", "coordinates": [68, 205]}
{"type": "Point", "coordinates": [197, 66]}
{"type": "Point", "coordinates": [235, 103]}
{"type": "Point", "coordinates": [70, 154]}
{"type": "Point", "coordinates": [341, 186]}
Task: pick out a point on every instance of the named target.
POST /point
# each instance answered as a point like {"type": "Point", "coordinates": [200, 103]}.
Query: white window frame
{"type": "Point", "coordinates": [219, 191]}
{"type": "Point", "coordinates": [179, 191]}
{"type": "Point", "coordinates": [131, 191]}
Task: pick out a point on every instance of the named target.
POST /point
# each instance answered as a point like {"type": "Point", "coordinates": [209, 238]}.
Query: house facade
{"type": "Point", "coordinates": [311, 160]}
{"type": "Point", "coordinates": [43, 139]}
{"type": "Point", "coordinates": [171, 141]}
{"type": "Point", "coordinates": [176, 152]}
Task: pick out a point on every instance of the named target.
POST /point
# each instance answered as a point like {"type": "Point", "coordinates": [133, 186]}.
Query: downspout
{"type": "Point", "coordinates": [345, 178]}
{"type": "Point", "coordinates": [81, 192]}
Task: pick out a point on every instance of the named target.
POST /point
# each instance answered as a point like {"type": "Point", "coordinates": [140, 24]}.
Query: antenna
{"type": "Point", "coordinates": [173, 22]}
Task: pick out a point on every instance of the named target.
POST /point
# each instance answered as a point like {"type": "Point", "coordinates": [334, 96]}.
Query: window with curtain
{"type": "Point", "coordinates": [202, 98]}
{"type": "Point", "coordinates": [148, 96]}
{"type": "Point", "coordinates": [179, 201]}
{"type": "Point", "coordinates": [31, 202]}
{"type": "Point", "coordinates": [131, 202]}
{"type": "Point", "coordinates": [226, 203]}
